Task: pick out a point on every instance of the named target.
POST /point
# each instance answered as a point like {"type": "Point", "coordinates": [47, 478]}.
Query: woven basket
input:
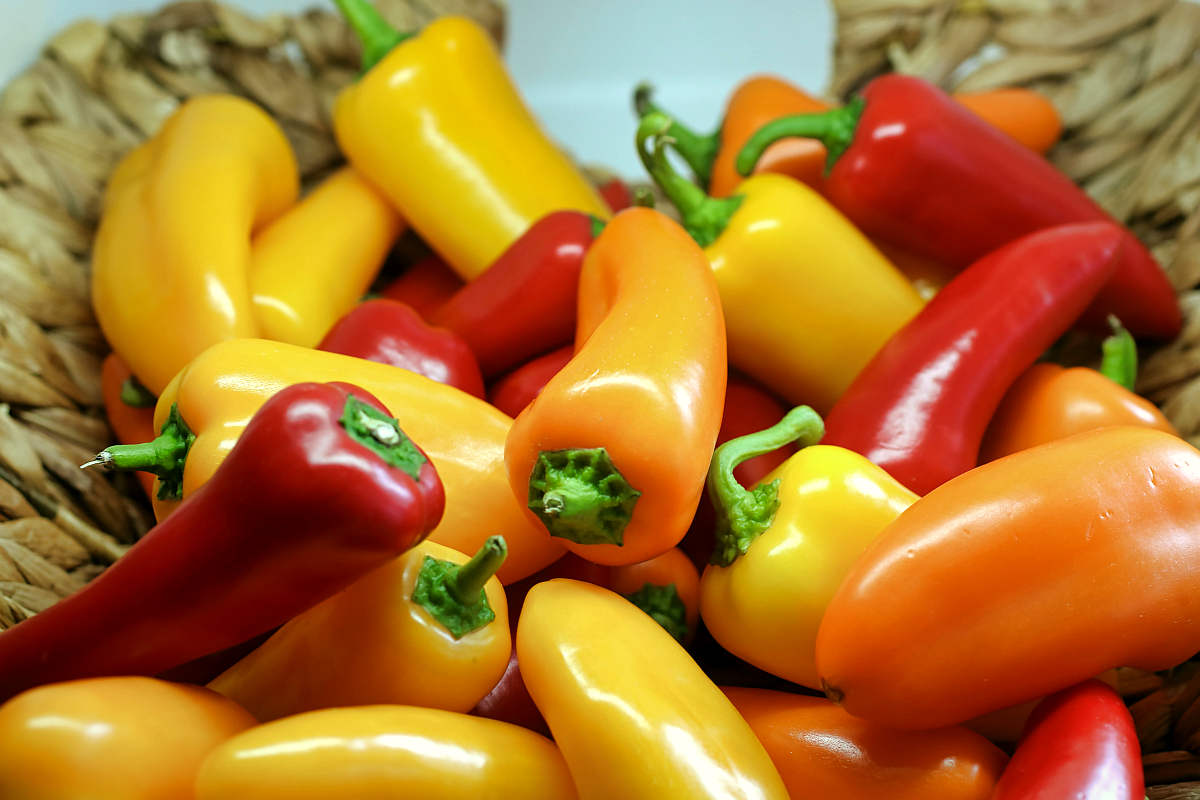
{"type": "Point", "coordinates": [1124, 76]}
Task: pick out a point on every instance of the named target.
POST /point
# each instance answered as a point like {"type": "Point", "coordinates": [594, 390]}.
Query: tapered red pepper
{"type": "Point", "coordinates": [634, 716]}
{"type": "Point", "coordinates": [393, 333]}
{"type": "Point", "coordinates": [523, 305]}
{"type": "Point", "coordinates": [807, 299]}
{"type": "Point", "coordinates": [124, 738]}
{"type": "Point", "coordinates": [903, 135]}
{"type": "Point", "coordinates": [425, 286]}
{"type": "Point", "coordinates": [611, 456]}
{"type": "Point", "coordinates": [788, 542]}
{"type": "Point", "coordinates": [310, 266]}
{"type": "Point", "coordinates": [321, 488]}
{"type": "Point", "coordinates": [512, 393]}
{"type": "Point", "coordinates": [129, 408]}
{"type": "Point", "coordinates": [171, 260]}
{"type": "Point", "coordinates": [1022, 576]}
{"type": "Point", "coordinates": [385, 752]}
{"type": "Point", "coordinates": [464, 436]}
{"type": "Point", "coordinates": [438, 126]}
{"type": "Point", "coordinates": [920, 408]}
{"type": "Point", "coordinates": [422, 630]}
{"type": "Point", "coordinates": [1080, 743]}
{"type": "Point", "coordinates": [821, 751]}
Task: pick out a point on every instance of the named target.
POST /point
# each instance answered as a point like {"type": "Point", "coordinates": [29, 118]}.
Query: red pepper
{"type": "Point", "coordinates": [321, 488]}
{"type": "Point", "coordinates": [393, 333]}
{"type": "Point", "coordinates": [517, 389]}
{"type": "Point", "coordinates": [616, 194]}
{"type": "Point", "coordinates": [509, 700]}
{"type": "Point", "coordinates": [920, 407]}
{"type": "Point", "coordinates": [424, 286]}
{"type": "Point", "coordinates": [524, 304]}
{"type": "Point", "coordinates": [912, 167]}
{"type": "Point", "coordinates": [1079, 743]}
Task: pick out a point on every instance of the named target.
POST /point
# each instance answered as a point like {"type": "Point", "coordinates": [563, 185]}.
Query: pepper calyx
{"type": "Point", "coordinates": [580, 495]}
{"type": "Point", "coordinates": [135, 395]}
{"type": "Point", "coordinates": [164, 457]}
{"type": "Point", "coordinates": [453, 594]}
{"type": "Point", "coordinates": [834, 128]}
{"type": "Point", "coordinates": [664, 606]}
{"type": "Point", "coordinates": [381, 434]}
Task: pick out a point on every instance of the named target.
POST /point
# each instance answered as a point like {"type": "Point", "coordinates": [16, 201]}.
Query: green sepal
{"type": "Point", "coordinates": [164, 457]}
{"type": "Point", "coordinates": [664, 606]}
{"type": "Point", "coordinates": [580, 495]}
{"type": "Point", "coordinates": [135, 395]}
{"type": "Point", "coordinates": [381, 434]}
{"type": "Point", "coordinates": [453, 594]}
{"type": "Point", "coordinates": [1119, 361]}
{"type": "Point", "coordinates": [737, 526]}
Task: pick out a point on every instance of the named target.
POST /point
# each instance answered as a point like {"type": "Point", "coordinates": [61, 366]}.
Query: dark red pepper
{"type": "Point", "coordinates": [425, 286]}
{"type": "Point", "coordinates": [509, 700]}
{"type": "Point", "coordinates": [321, 488]}
{"type": "Point", "coordinates": [920, 407]}
{"type": "Point", "coordinates": [391, 332]}
{"type": "Point", "coordinates": [523, 305]}
{"type": "Point", "coordinates": [911, 166]}
{"type": "Point", "coordinates": [517, 389]}
{"type": "Point", "coordinates": [1080, 744]}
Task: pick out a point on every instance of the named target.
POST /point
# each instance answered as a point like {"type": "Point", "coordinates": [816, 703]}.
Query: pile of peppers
{"type": "Point", "coordinates": [780, 495]}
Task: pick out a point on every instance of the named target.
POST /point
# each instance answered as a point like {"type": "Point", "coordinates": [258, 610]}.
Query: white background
{"type": "Point", "coordinates": [575, 62]}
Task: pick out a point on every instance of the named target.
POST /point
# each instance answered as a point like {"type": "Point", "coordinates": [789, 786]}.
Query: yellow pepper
{"type": "Point", "coordinates": [313, 264]}
{"type": "Point", "coordinates": [170, 264]}
{"type": "Point", "coordinates": [384, 753]}
{"type": "Point", "coordinates": [120, 738]}
{"type": "Point", "coordinates": [412, 633]}
{"type": "Point", "coordinates": [633, 714]}
{"type": "Point", "coordinates": [808, 300]}
{"type": "Point", "coordinates": [204, 410]}
{"type": "Point", "coordinates": [439, 127]}
{"type": "Point", "coordinates": [787, 544]}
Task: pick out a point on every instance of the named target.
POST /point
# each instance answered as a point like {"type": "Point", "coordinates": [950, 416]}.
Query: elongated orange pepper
{"type": "Point", "coordinates": [422, 630]}
{"type": "Point", "coordinates": [821, 751]}
{"type": "Point", "coordinates": [129, 408]}
{"type": "Point", "coordinates": [201, 414]}
{"type": "Point", "coordinates": [313, 263]}
{"type": "Point", "coordinates": [170, 264]}
{"type": "Point", "coordinates": [124, 738]}
{"type": "Point", "coordinates": [611, 455]}
{"type": "Point", "coordinates": [1020, 577]}
{"type": "Point", "coordinates": [667, 587]}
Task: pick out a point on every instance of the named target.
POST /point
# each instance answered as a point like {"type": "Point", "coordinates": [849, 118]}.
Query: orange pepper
{"type": "Point", "coordinates": [667, 587]}
{"type": "Point", "coordinates": [1021, 577]}
{"type": "Point", "coordinates": [129, 407]}
{"type": "Point", "coordinates": [1026, 115]}
{"type": "Point", "coordinates": [821, 751]}
{"type": "Point", "coordinates": [612, 454]}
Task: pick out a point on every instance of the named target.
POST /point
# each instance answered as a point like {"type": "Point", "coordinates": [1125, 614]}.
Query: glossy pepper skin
{"type": "Point", "coordinates": [376, 642]}
{"type": "Point", "coordinates": [393, 333]}
{"type": "Point", "coordinates": [424, 286]}
{"type": "Point", "coordinates": [123, 738]}
{"type": "Point", "coordinates": [463, 435]}
{"type": "Point", "coordinates": [634, 716]}
{"type": "Point", "coordinates": [903, 134]}
{"type": "Point", "coordinates": [920, 408]}
{"type": "Point", "coordinates": [130, 422]}
{"type": "Point", "coordinates": [311, 265]}
{"type": "Point", "coordinates": [516, 390]}
{"type": "Point", "coordinates": [821, 751]}
{"type": "Point", "coordinates": [611, 455]}
{"type": "Point", "coordinates": [807, 299]}
{"type": "Point", "coordinates": [787, 543]}
{"type": "Point", "coordinates": [304, 505]}
{"type": "Point", "coordinates": [439, 127]}
{"type": "Point", "coordinates": [384, 752]}
{"type": "Point", "coordinates": [171, 260]}
{"type": "Point", "coordinates": [523, 305]}
{"type": "Point", "coordinates": [1080, 743]}
{"type": "Point", "coordinates": [957, 609]}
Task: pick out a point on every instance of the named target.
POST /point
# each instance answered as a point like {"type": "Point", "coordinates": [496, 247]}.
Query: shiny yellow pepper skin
{"type": "Point", "coordinates": [439, 127]}
{"type": "Point", "coordinates": [311, 265]}
{"type": "Point", "coordinates": [808, 300]}
{"type": "Point", "coordinates": [633, 714]}
{"type": "Point", "coordinates": [784, 547]}
{"type": "Point", "coordinates": [370, 644]}
{"type": "Point", "coordinates": [124, 738]}
{"type": "Point", "coordinates": [384, 753]}
{"type": "Point", "coordinates": [171, 259]}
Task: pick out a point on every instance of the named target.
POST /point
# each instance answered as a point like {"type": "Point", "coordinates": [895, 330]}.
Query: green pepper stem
{"type": "Point", "coordinates": [704, 217]}
{"type": "Point", "coordinates": [164, 457]}
{"type": "Point", "coordinates": [597, 226]}
{"type": "Point", "coordinates": [453, 593]}
{"type": "Point", "coordinates": [698, 150]}
{"type": "Point", "coordinates": [743, 514]}
{"type": "Point", "coordinates": [834, 128]}
{"type": "Point", "coordinates": [135, 395]}
{"type": "Point", "coordinates": [377, 35]}
{"type": "Point", "coordinates": [1120, 358]}
{"type": "Point", "coordinates": [467, 581]}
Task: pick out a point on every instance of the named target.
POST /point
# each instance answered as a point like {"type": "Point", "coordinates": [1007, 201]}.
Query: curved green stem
{"type": "Point", "coordinates": [377, 35]}
{"type": "Point", "coordinates": [135, 395]}
{"type": "Point", "coordinates": [1120, 358]}
{"type": "Point", "coordinates": [834, 128]}
{"type": "Point", "coordinates": [743, 514]}
{"type": "Point", "coordinates": [698, 150]}
{"type": "Point", "coordinates": [453, 594]}
{"type": "Point", "coordinates": [164, 457]}
{"type": "Point", "coordinates": [704, 217]}
{"type": "Point", "coordinates": [580, 495]}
